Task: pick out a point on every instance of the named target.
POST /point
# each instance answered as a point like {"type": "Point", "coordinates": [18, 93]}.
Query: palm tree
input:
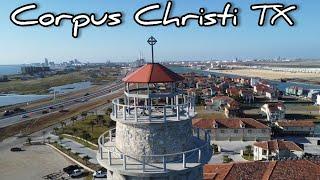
{"type": "Point", "coordinates": [84, 114]}
{"type": "Point", "coordinates": [100, 119]}
{"type": "Point", "coordinates": [73, 119]}
{"type": "Point", "coordinates": [74, 130]}
{"type": "Point", "coordinates": [86, 159]}
{"type": "Point", "coordinates": [29, 140]}
{"type": "Point", "coordinates": [60, 138]}
{"type": "Point", "coordinates": [55, 130]}
{"type": "Point", "coordinates": [92, 123]}
{"type": "Point", "coordinates": [49, 138]}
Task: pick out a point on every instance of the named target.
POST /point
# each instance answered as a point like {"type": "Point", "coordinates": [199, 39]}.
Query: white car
{"type": "Point", "coordinates": [99, 174]}
{"type": "Point", "coordinates": [76, 173]}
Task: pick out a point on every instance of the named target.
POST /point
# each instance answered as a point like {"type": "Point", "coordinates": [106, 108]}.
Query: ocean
{"type": "Point", "coordinates": [10, 69]}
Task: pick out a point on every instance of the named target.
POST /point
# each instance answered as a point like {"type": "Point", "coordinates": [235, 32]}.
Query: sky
{"type": "Point", "coordinates": [21, 45]}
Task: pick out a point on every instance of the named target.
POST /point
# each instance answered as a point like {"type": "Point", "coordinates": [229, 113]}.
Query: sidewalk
{"type": "Point", "coordinates": [79, 148]}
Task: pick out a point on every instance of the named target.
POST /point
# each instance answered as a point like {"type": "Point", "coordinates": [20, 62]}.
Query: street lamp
{"type": "Point", "coordinates": [152, 41]}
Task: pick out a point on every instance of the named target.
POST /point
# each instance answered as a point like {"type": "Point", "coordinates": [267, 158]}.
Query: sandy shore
{"type": "Point", "coordinates": [269, 74]}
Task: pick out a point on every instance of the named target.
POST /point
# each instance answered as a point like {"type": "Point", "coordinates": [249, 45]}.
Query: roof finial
{"type": "Point", "coordinates": [152, 41]}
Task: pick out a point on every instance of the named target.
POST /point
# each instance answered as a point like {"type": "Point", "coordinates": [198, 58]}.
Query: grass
{"type": "Point", "coordinates": [209, 114]}
{"type": "Point", "coordinates": [41, 86]}
{"type": "Point", "coordinates": [248, 157]}
{"type": "Point", "coordinates": [82, 128]}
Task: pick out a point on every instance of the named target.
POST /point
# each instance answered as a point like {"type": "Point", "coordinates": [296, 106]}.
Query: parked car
{"type": "Point", "coordinates": [99, 174]}
{"type": "Point", "coordinates": [15, 149]}
{"type": "Point", "coordinates": [76, 173]}
{"type": "Point", "coordinates": [52, 107]}
{"type": "Point", "coordinates": [70, 169]}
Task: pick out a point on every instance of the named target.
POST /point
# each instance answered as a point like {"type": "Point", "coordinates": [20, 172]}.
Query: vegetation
{"type": "Point", "coordinates": [90, 128]}
{"type": "Point", "coordinates": [227, 159]}
{"type": "Point", "coordinates": [248, 153]}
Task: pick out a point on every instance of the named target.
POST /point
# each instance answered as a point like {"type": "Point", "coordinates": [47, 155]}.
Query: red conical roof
{"type": "Point", "coordinates": [152, 73]}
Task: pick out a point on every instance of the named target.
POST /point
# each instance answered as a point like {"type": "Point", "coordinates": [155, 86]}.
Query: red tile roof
{"type": "Point", "coordinates": [152, 73]}
{"type": "Point", "coordinates": [228, 123]}
{"type": "Point", "coordinates": [274, 170]}
{"type": "Point", "coordinates": [296, 123]}
{"type": "Point", "coordinates": [276, 145]}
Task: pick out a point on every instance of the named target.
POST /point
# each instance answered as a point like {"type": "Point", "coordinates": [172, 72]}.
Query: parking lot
{"type": "Point", "coordinates": [35, 163]}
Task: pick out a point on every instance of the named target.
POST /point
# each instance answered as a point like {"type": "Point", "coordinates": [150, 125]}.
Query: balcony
{"type": "Point", "coordinates": [153, 113]}
{"type": "Point", "coordinates": [112, 159]}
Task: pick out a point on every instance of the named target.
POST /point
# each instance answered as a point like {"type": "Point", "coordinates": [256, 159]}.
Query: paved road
{"type": "Point", "coordinates": [37, 112]}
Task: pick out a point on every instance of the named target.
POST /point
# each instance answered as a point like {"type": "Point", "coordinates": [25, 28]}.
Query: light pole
{"type": "Point", "coordinates": [152, 41]}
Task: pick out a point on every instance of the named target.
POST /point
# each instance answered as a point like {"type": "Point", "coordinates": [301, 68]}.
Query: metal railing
{"type": "Point", "coordinates": [154, 112]}
{"type": "Point", "coordinates": [180, 158]}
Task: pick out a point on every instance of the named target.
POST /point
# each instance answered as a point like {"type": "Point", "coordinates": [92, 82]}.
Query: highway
{"type": "Point", "coordinates": [54, 107]}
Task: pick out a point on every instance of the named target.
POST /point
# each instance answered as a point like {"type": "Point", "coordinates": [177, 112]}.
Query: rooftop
{"type": "Point", "coordinates": [276, 145]}
{"type": "Point", "coordinates": [152, 73]}
{"type": "Point", "coordinates": [294, 123]}
{"type": "Point", "coordinates": [291, 169]}
{"type": "Point", "coordinates": [235, 123]}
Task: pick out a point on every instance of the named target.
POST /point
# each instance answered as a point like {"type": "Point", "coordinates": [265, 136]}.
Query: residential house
{"type": "Point", "coordinates": [294, 127]}
{"type": "Point", "coordinates": [233, 92]}
{"type": "Point", "coordinates": [254, 81]}
{"type": "Point", "coordinates": [236, 129]}
{"type": "Point", "coordinates": [272, 170]}
{"type": "Point", "coordinates": [232, 109]}
{"type": "Point", "coordinates": [271, 94]}
{"type": "Point", "coordinates": [318, 100]}
{"type": "Point", "coordinates": [313, 93]}
{"type": "Point", "coordinates": [247, 96]}
{"type": "Point", "coordinates": [274, 111]}
{"type": "Point", "coordinates": [276, 149]}
{"type": "Point", "coordinates": [218, 103]}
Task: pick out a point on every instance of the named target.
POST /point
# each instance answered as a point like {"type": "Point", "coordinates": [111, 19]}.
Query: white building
{"type": "Point", "coordinates": [276, 149]}
{"type": "Point", "coordinates": [240, 129]}
{"type": "Point", "coordinates": [318, 100]}
{"type": "Point", "coordinates": [274, 111]}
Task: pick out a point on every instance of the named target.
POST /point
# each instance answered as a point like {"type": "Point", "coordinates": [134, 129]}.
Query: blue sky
{"type": "Point", "coordinates": [123, 43]}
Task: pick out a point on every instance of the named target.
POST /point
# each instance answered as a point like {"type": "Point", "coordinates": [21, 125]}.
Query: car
{"type": "Point", "coordinates": [99, 174]}
{"type": "Point", "coordinates": [45, 112]}
{"type": "Point", "coordinates": [8, 113]}
{"type": "Point", "coordinates": [70, 169]}
{"type": "Point", "coordinates": [87, 94]}
{"type": "Point", "coordinates": [64, 111]}
{"type": "Point", "coordinates": [16, 149]}
{"type": "Point", "coordinates": [76, 173]}
{"type": "Point", "coordinates": [25, 116]}
{"type": "Point", "coordinates": [52, 107]}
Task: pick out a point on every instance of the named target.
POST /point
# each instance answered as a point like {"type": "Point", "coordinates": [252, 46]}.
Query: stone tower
{"type": "Point", "coordinates": [154, 138]}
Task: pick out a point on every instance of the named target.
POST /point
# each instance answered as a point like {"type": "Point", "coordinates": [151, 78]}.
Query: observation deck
{"type": "Point", "coordinates": [112, 159]}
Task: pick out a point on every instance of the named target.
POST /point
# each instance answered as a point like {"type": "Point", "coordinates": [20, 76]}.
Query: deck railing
{"type": "Point", "coordinates": [136, 113]}
{"type": "Point", "coordinates": [111, 153]}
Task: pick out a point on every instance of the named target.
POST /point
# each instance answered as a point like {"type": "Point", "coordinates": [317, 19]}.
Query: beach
{"type": "Point", "coordinates": [271, 75]}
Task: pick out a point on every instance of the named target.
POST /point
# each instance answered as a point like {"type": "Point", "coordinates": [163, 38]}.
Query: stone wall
{"type": "Point", "coordinates": [154, 138]}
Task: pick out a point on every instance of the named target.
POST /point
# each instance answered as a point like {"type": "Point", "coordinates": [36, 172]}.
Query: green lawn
{"type": "Point", "coordinates": [89, 129]}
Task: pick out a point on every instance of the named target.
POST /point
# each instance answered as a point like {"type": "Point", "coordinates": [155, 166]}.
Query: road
{"type": "Point", "coordinates": [51, 108]}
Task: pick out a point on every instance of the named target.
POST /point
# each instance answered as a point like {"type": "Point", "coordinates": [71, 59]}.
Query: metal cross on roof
{"type": "Point", "coordinates": [152, 41]}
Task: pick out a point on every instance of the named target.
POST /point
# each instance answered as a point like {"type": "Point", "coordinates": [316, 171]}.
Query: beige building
{"type": "Point", "coordinates": [238, 129]}
{"type": "Point", "coordinates": [276, 149]}
{"type": "Point", "coordinates": [301, 127]}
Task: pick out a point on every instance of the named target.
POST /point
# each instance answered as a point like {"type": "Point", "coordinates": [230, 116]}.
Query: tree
{"type": "Point", "coordinates": [248, 150]}
{"type": "Point", "coordinates": [60, 138]}
{"type": "Point", "coordinates": [74, 130]}
{"type": "Point", "coordinates": [55, 130]}
{"type": "Point", "coordinates": [62, 125]}
{"type": "Point", "coordinates": [92, 123]}
{"type": "Point", "coordinates": [86, 159]}
{"type": "Point", "coordinates": [69, 150]}
{"type": "Point", "coordinates": [73, 119]}
{"type": "Point", "coordinates": [29, 140]}
{"type": "Point", "coordinates": [86, 135]}
{"type": "Point", "coordinates": [108, 111]}
{"type": "Point", "coordinates": [100, 119]}
{"type": "Point", "coordinates": [84, 114]}
{"type": "Point", "coordinates": [49, 138]}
